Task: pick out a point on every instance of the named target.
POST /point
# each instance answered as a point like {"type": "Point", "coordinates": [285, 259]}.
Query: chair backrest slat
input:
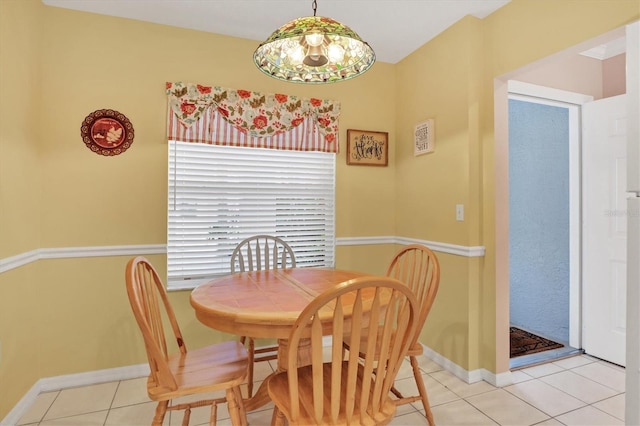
{"type": "Point", "coordinates": [352, 368]}
{"type": "Point", "coordinates": [336, 359]}
{"type": "Point", "coordinates": [368, 364]}
{"type": "Point", "coordinates": [316, 362]}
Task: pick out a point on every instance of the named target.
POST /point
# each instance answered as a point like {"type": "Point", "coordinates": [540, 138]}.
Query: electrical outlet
{"type": "Point", "coordinates": [459, 212]}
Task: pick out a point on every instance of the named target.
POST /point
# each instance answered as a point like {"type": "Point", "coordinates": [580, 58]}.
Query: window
{"type": "Point", "coordinates": [220, 195]}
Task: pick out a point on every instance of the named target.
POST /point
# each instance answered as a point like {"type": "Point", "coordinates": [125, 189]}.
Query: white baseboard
{"type": "Point", "coordinates": [50, 384]}
{"type": "Point", "coordinates": [498, 380]}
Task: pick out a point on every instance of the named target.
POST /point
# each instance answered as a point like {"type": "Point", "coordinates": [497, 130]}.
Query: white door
{"type": "Point", "coordinates": [604, 228]}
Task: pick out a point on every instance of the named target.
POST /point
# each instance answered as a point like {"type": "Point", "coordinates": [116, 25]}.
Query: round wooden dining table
{"type": "Point", "coordinates": [263, 304]}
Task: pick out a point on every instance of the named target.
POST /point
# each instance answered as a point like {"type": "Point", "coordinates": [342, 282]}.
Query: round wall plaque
{"type": "Point", "coordinates": [107, 132]}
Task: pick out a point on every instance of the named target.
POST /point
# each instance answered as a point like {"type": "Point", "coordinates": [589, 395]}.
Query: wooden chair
{"type": "Point", "coordinates": [262, 252]}
{"type": "Point", "coordinates": [418, 267]}
{"type": "Point", "coordinates": [221, 366]}
{"type": "Point", "coordinates": [346, 391]}
{"type": "Point", "coordinates": [257, 253]}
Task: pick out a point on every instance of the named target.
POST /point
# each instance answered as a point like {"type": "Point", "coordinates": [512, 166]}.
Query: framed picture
{"type": "Point", "coordinates": [107, 132]}
{"type": "Point", "coordinates": [424, 142]}
{"type": "Point", "coordinates": [367, 148]}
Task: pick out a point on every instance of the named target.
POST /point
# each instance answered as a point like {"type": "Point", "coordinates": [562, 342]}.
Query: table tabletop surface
{"type": "Point", "coordinates": [262, 304]}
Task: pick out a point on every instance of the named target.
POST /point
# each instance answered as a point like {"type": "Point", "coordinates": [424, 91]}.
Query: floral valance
{"type": "Point", "coordinates": [215, 115]}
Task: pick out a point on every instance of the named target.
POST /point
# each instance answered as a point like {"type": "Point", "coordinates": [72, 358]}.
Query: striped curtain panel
{"type": "Point", "coordinates": [228, 117]}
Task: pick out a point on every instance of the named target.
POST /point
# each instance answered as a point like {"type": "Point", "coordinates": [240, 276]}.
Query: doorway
{"type": "Point", "coordinates": [544, 219]}
{"type": "Point", "coordinates": [539, 238]}
{"type": "Point", "coordinates": [567, 246]}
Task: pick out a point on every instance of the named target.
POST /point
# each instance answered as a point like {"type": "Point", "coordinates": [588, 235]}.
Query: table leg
{"type": "Point", "coordinates": [304, 353]}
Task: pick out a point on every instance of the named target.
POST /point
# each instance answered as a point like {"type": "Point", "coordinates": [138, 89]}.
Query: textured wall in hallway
{"type": "Point", "coordinates": [539, 218]}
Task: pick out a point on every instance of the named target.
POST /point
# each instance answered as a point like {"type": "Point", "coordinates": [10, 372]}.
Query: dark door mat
{"type": "Point", "coordinates": [525, 343]}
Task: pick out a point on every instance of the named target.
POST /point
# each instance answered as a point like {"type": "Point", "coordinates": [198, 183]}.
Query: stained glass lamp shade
{"type": "Point", "coordinates": [314, 49]}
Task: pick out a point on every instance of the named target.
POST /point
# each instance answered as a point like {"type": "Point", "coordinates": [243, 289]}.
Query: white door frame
{"type": "Point", "coordinates": [572, 101]}
{"type": "Point", "coordinates": [632, 407]}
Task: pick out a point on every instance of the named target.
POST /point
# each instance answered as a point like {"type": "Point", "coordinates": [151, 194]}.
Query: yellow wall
{"type": "Point", "coordinates": [19, 173]}
{"type": "Point", "coordinates": [19, 194]}
{"type": "Point", "coordinates": [65, 316]}
{"type": "Point", "coordinates": [439, 81]}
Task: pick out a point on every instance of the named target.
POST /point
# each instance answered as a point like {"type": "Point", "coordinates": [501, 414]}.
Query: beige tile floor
{"type": "Point", "coordinates": [580, 390]}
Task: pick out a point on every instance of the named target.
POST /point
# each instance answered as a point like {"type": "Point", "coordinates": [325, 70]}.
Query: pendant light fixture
{"type": "Point", "coordinates": [314, 50]}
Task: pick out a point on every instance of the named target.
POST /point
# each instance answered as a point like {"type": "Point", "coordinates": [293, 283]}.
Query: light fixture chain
{"type": "Point", "coordinates": [315, 6]}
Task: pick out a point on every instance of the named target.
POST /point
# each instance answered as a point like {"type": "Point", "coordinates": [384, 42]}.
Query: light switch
{"type": "Point", "coordinates": [459, 212]}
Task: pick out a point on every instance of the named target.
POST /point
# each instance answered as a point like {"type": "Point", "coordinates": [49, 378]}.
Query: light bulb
{"type": "Point", "coordinates": [315, 57]}
{"type": "Point", "coordinates": [294, 52]}
{"type": "Point", "coordinates": [314, 39]}
{"type": "Point", "coordinates": [315, 52]}
{"type": "Point", "coordinates": [335, 52]}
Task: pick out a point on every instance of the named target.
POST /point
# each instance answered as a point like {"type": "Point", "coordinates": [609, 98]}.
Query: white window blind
{"type": "Point", "coordinates": [220, 195]}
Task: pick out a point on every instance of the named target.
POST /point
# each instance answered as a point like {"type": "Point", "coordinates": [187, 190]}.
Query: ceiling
{"type": "Point", "coordinates": [393, 28]}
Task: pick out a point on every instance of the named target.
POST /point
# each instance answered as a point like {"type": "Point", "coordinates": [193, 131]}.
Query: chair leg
{"type": "Point", "coordinates": [186, 417]}
{"type": "Point", "coordinates": [161, 409]}
{"type": "Point", "coordinates": [236, 407]}
{"type": "Point", "coordinates": [213, 417]}
{"type": "Point", "coordinates": [242, 410]}
{"type": "Point", "coordinates": [250, 358]}
{"type": "Point", "coordinates": [417, 374]}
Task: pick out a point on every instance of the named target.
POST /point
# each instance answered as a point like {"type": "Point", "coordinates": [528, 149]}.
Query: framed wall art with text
{"type": "Point", "coordinates": [424, 141]}
{"type": "Point", "coordinates": [367, 148]}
